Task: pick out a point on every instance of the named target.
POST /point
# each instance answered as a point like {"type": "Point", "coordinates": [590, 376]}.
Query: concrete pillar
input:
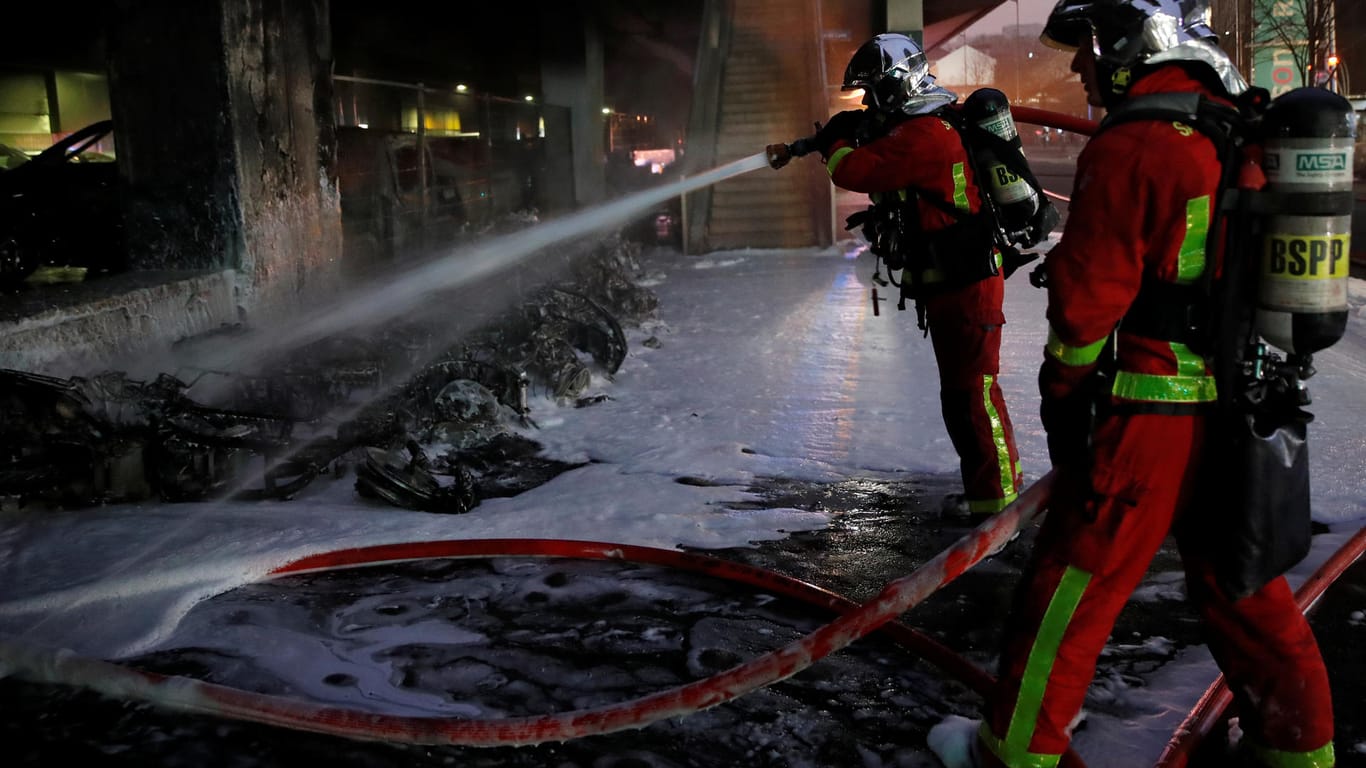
{"type": "Point", "coordinates": [225, 137]}
{"type": "Point", "coordinates": [572, 77]}
{"type": "Point", "coordinates": [908, 18]}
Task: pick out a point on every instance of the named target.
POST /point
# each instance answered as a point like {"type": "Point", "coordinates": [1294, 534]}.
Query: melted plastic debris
{"type": "Point", "coordinates": [268, 432]}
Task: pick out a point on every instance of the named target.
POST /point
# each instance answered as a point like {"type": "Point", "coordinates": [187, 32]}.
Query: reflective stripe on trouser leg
{"type": "Point", "coordinates": [1323, 757]}
{"type": "Point", "coordinates": [1013, 749]}
{"type": "Point", "coordinates": [1093, 549]}
{"type": "Point", "coordinates": [979, 427]}
{"type": "Point", "coordinates": [1006, 465]}
{"type": "Point", "coordinates": [965, 329]}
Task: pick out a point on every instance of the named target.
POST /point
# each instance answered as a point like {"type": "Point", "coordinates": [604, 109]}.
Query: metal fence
{"type": "Point", "coordinates": [420, 166]}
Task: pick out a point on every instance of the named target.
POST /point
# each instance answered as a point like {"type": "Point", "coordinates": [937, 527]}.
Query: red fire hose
{"type": "Point", "coordinates": [1035, 116]}
{"type": "Point", "coordinates": [1209, 710]}
{"type": "Point", "coordinates": [1062, 122]}
{"type": "Point", "coordinates": [854, 622]}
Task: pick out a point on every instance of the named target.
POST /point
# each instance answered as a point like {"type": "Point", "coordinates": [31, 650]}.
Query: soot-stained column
{"type": "Point", "coordinates": [225, 137]}
{"type": "Point", "coordinates": [279, 57]}
{"type": "Point", "coordinates": [572, 76]}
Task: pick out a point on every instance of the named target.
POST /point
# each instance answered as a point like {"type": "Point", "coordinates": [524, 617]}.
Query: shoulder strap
{"type": "Point", "coordinates": [1224, 125]}
{"type": "Point", "coordinates": [949, 116]}
{"type": "Point", "coordinates": [1160, 309]}
{"type": "Point", "coordinates": [1014, 160]}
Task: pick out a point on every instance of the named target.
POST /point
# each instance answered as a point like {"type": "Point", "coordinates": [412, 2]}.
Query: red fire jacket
{"type": "Point", "coordinates": [1143, 203]}
{"type": "Point", "coordinates": [924, 153]}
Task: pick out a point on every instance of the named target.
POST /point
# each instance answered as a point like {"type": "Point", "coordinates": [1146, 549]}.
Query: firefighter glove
{"type": "Point", "coordinates": [800, 147]}
{"type": "Point", "coordinates": [1067, 410]}
{"type": "Point", "coordinates": [841, 126]}
{"type": "Point", "coordinates": [1013, 258]}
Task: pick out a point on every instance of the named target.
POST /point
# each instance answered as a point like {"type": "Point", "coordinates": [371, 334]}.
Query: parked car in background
{"type": "Point", "coordinates": [61, 208]}
{"type": "Point", "coordinates": [11, 157]}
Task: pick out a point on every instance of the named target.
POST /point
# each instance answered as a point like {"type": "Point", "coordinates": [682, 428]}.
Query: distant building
{"type": "Point", "coordinates": [965, 67]}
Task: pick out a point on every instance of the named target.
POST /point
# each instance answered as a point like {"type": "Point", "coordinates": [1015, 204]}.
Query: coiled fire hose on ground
{"type": "Point", "coordinates": [854, 622]}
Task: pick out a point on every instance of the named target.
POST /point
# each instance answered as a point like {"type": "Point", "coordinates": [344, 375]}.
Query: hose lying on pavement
{"type": "Point", "coordinates": [207, 698]}
{"type": "Point", "coordinates": [1209, 710]}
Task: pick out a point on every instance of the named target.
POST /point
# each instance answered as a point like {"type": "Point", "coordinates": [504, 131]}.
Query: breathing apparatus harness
{"type": "Point", "coordinates": [1012, 212]}
{"type": "Point", "coordinates": [1277, 229]}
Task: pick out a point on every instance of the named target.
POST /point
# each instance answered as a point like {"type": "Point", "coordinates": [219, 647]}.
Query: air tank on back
{"type": "Point", "coordinates": [1015, 200]}
{"type": "Point", "coordinates": [1308, 135]}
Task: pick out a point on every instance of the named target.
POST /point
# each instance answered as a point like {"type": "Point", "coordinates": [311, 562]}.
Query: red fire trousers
{"type": "Point", "coordinates": [1094, 547]}
{"type": "Point", "coordinates": [965, 328]}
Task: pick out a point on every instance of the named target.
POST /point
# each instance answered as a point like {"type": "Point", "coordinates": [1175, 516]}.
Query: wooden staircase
{"type": "Point", "coordinates": [770, 90]}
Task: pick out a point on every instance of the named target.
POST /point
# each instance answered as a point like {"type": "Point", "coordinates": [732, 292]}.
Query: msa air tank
{"type": "Point", "coordinates": [1015, 200]}
{"type": "Point", "coordinates": [1308, 136]}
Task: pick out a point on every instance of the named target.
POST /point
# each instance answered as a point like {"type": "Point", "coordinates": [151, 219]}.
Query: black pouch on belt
{"type": "Point", "coordinates": [1264, 526]}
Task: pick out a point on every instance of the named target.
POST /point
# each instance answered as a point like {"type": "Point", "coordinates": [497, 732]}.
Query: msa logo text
{"type": "Point", "coordinates": [1321, 161]}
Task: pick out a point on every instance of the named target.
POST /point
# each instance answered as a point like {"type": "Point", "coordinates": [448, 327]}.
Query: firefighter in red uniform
{"type": "Point", "coordinates": [1127, 476]}
{"type": "Point", "coordinates": [914, 167]}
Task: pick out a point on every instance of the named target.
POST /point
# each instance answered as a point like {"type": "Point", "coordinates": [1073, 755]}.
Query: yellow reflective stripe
{"type": "Point", "coordinates": [998, 439]}
{"type": "Point", "coordinates": [960, 188]}
{"type": "Point", "coordinates": [1021, 760]}
{"type": "Point", "coordinates": [1187, 362]}
{"type": "Point", "coordinates": [1013, 750]}
{"type": "Point", "coordinates": [1072, 355]}
{"type": "Point", "coordinates": [836, 158]}
{"type": "Point", "coordinates": [1190, 260]}
{"type": "Point", "coordinates": [985, 506]}
{"type": "Point", "coordinates": [1156, 388]}
{"type": "Point", "coordinates": [1323, 757]}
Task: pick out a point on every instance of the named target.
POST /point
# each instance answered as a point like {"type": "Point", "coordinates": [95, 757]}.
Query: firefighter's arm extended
{"type": "Point", "coordinates": [920, 153]}
{"type": "Point", "coordinates": [842, 126]}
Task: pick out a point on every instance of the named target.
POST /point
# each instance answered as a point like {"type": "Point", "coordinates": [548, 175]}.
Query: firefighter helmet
{"type": "Point", "coordinates": [895, 77]}
{"type": "Point", "coordinates": [1126, 35]}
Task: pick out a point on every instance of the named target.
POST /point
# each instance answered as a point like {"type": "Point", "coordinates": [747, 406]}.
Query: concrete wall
{"type": "Point", "coordinates": [907, 17]}
{"type": "Point", "coordinates": [168, 96]}
{"type": "Point", "coordinates": [572, 76]}
{"type": "Point", "coordinates": [279, 95]}
{"type": "Point", "coordinates": [127, 328]}
{"type": "Point", "coordinates": [226, 140]}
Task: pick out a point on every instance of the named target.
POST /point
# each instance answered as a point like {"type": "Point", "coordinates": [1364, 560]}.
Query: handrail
{"type": "Point", "coordinates": [713, 44]}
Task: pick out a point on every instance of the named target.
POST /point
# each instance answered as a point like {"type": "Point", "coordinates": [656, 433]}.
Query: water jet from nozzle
{"type": "Point", "coordinates": [462, 266]}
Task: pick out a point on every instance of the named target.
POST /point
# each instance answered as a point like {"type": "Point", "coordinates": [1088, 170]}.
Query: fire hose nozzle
{"type": "Point", "coordinates": [781, 154]}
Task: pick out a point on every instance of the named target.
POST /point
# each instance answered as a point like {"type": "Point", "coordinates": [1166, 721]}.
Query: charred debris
{"type": "Point", "coordinates": [440, 440]}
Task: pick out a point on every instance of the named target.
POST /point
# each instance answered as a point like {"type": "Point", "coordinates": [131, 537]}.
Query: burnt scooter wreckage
{"type": "Point", "coordinates": [80, 442]}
